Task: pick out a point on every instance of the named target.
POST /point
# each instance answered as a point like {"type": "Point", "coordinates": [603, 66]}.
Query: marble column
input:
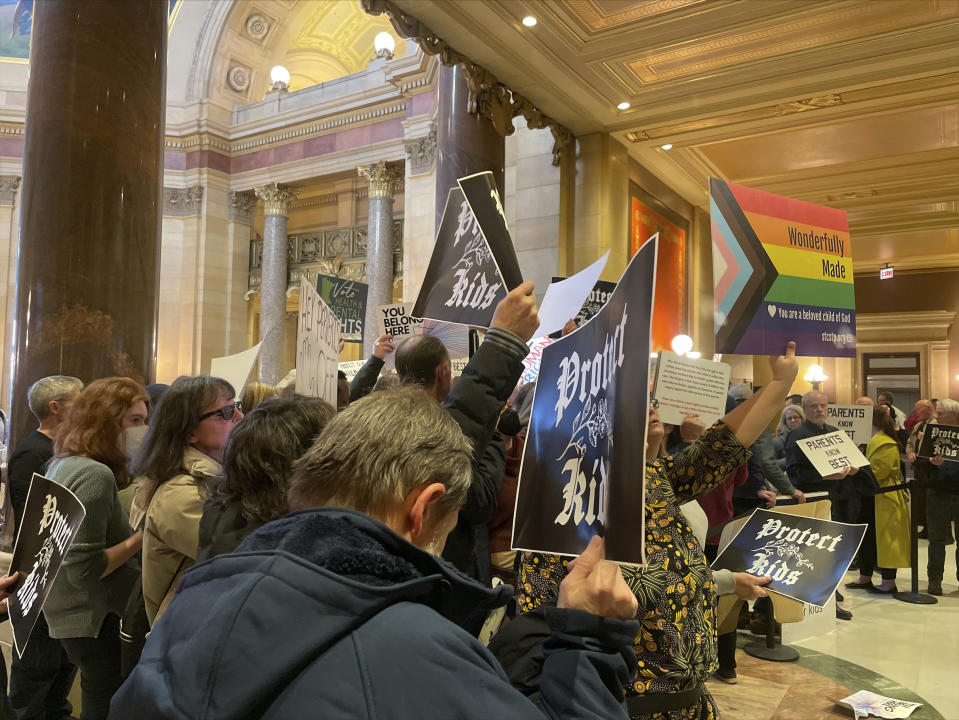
{"type": "Point", "coordinates": [9, 239]}
{"type": "Point", "coordinates": [466, 142]}
{"type": "Point", "coordinates": [379, 245]}
{"type": "Point", "coordinates": [273, 283]}
{"type": "Point", "coordinates": [90, 223]}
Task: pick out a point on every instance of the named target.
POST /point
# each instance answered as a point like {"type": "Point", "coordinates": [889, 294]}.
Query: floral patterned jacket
{"type": "Point", "coordinates": [676, 644]}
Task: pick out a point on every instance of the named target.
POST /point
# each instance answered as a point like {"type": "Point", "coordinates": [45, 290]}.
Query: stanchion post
{"type": "Point", "coordinates": [915, 597]}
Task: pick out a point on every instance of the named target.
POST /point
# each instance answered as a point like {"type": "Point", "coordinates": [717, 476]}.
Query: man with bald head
{"type": "Point", "coordinates": [865, 401]}
{"type": "Point", "coordinates": [475, 403]}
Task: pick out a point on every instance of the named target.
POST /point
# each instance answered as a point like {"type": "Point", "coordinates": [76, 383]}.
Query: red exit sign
{"type": "Point", "coordinates": [885, 273]}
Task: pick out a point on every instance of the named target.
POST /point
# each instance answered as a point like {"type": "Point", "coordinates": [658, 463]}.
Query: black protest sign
{"type": "Point", "coordinates": [582, 470]}
{"type": "Point", "coordinates": [462, 283]}
{"type": "Point", "coordinates": [347, 299]}
{"type": "Point", "coordinates": [601, 292]}
{"type": "Point", "coordinates": [481, 195]}
{"type": "Point", "coordinates": [805, 557]}
{"type": "Point", "coordinates": [52, 516]}
{"type": "Point", "coordinates": [942, 440]}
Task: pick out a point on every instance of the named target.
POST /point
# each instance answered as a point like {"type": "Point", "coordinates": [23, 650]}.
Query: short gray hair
{"type": "Point", "coordinates": [54, 388]}
{"type": "Point", "coordinates": [949, 406]}
{"type": "Point", "coordinates": [381, 448]}
{"type": "Point", "coordinates": [809, 396]}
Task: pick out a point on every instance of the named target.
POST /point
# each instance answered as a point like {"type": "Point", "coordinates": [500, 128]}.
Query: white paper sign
{"type": "Point", "coordinates": [832, 452]}
{"type": "Point", "coordinates": [235, 369]}
{"type": "Point", "coordinates": [458, 365]}
{"type": "Point", "coordinates": [317, 341]}
{"type": "Point", "coordinates": [855, 420]}
{"type": "Point", "coordinates": [865, 703]}
{"type": "Point", "coordinates": [396, 321]}
{"type": "Point", "coordinates": [351, 367]}
{"type": "Point", "coordinates": [684, 385]}
{"type": "Point", "coordinates": [564, 299]}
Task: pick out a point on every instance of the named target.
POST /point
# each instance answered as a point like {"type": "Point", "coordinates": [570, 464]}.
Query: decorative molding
{"type": "Point", "coordinates": [382, 178]}
{"type": "Point", "coordinates": [239, 77]}
{"type": "Point", "coordinates": [314, 202]}
{"type": "Point", "coordinates": [812, 103]}
{"type": "Point", "coordinates": [257, 26]}
{"type": "Point", "coordinates": [918, 263]}
{"type": "Point", "coordinates": [9, 184]}
{"type": "Point", "coordinates": [487, 96]}
{"type": "Point", "coordinates": [920, 325]}
{"type": "Point", "coordinates": [421, 153]}
{"type": "Point", "coordinates": [276, 198]}
{"type": "Point", "coordinates": [182, 202]}
{"type": "Point", "coordinates": [242, 206]}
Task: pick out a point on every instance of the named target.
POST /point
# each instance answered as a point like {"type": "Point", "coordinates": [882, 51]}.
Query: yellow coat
{"type": "Point", "coordinates": [892, 508]}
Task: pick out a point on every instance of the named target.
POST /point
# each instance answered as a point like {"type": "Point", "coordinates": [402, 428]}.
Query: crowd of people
{"type": "Point", "coordinates": [279, 557]}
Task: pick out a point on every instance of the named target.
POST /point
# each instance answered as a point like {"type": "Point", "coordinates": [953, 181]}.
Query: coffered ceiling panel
{"type": "Point", "coordinates": [848, 103]}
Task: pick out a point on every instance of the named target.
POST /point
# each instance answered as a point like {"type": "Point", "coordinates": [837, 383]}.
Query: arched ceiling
{"type": "Point", "coordinates": [335, 38]}
{"type": "Point", "coordinates": [316, 40]}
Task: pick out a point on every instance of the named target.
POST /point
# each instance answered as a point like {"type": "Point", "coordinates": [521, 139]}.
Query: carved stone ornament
{"type": "Point", "coordinates": [9, 184]}
{"type": "Point", "coordinates": [487, 96]}
{"type": "Point", "coordinates": [382, 178]}
{"type": "Point", "coordinates": [813, 103]}
{"type": "Point", "coordinates": [182, 202]}
{"type": "Point", "coordinates": [238, 78]}
{"type": "Point", "coordinates": [276, 198]}
{"type": "Point", "coordinates": [242, 206]}
{"type": "Point", "coordinates": [257, 26]}
{"type": "Point", "coordinates": [421, 153]}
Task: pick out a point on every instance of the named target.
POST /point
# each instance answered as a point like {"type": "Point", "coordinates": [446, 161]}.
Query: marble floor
{"type": "Point", "coordinates": [890, 647]}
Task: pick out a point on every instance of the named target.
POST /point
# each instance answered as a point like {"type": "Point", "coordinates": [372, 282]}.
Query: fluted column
{"type": "Point", "coordinates": [88, 270]}
{"type": "Point", "coordinates": [276, 203]}
{"type": "Point", "coordinates": [379, 244]}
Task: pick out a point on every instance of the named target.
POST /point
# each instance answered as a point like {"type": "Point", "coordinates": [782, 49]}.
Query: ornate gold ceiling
{"type": "Point", "coordinates": [849, 103]}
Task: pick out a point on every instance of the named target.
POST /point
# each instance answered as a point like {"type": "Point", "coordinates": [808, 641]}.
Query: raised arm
{"type": "Point", "coordinates": [748, 420]}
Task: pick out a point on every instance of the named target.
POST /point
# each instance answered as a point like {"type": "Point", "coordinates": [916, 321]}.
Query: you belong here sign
{"type": "Point", "coordinates": [805, 557]}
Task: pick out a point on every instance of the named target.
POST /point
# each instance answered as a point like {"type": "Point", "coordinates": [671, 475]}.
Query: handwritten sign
{"type": "Point", "coordinates": [317, 343]}
{"type": "Point", "coordinates": [806, 557]}
{"type": "Point", "coordinates": [686, 385]}
{"type": "Point", "coordinates": [854, 420]}
{"type": "Point", "coordinates": [832, 452]}
{"type": "Point", "coordinates": [940, 440]}
{"type": "Point", "coordinates": [782, 270]}
{"type": "Point", "coordinates": [347, 299]}
{"type": "Point", "coordinates": [52, 516]}
{"type": "Point", "coordinates": [351, 367]}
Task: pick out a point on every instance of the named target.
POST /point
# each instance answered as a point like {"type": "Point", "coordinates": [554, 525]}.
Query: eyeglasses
{"type": "Point", "coordinates": [226, 412]}
{"type": "Point", "coordinates": [654, 404]}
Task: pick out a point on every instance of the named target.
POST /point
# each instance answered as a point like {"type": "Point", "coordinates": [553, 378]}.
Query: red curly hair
{"type": "Point", "coordinates": [92, 428]}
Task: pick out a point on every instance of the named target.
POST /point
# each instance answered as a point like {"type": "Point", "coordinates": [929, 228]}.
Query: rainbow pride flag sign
{"type": "Point", "coordinates": [782, 270]}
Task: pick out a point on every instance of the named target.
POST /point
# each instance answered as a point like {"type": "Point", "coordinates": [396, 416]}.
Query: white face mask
{"type": "Point", "coordinates": [133, 439]}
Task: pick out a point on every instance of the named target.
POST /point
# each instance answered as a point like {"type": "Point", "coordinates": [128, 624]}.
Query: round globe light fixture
{"type": "Point", "coordinates": [280, 77]}
{"type": "Point", "coordinates": [384, 44]}
{"type": "Point", "coordinates": [682, 344]}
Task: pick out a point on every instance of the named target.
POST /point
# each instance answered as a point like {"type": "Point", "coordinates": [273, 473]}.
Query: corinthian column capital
{"type": "Point", "coordinates": [276, 198]}
{"type": "Point", "coordinates": [382, 178]}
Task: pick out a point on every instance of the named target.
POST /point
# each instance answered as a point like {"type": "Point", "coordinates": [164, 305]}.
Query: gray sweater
{"type": "Point", "coordinates": [80, 599]}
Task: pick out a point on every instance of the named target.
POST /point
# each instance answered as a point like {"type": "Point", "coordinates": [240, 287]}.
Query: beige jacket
{"type": "Point", "coordinates": [171, 531]}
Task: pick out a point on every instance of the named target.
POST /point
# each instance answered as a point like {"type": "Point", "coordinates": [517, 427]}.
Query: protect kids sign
{"type": "Point", "coordinates": [782, 270]}
{"type": "Point", "coordinates": [805, 557]}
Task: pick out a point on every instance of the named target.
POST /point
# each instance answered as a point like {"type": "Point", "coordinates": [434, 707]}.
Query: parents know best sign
{"type": "Point", "coordinates": [832, 452]}
{"type": "Point", "coordinates": [855, 420]}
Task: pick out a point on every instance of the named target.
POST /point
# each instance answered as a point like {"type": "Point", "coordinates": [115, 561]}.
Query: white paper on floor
{"type": "Point", "coordinates": [865, 703]}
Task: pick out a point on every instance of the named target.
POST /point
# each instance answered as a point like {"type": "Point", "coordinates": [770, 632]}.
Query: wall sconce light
{"type": "Point", "coordinates": [814, 376]}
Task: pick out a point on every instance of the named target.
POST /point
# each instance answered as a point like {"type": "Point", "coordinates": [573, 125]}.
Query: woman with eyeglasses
{"type": "Point", "coordinates": [181, 454]}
